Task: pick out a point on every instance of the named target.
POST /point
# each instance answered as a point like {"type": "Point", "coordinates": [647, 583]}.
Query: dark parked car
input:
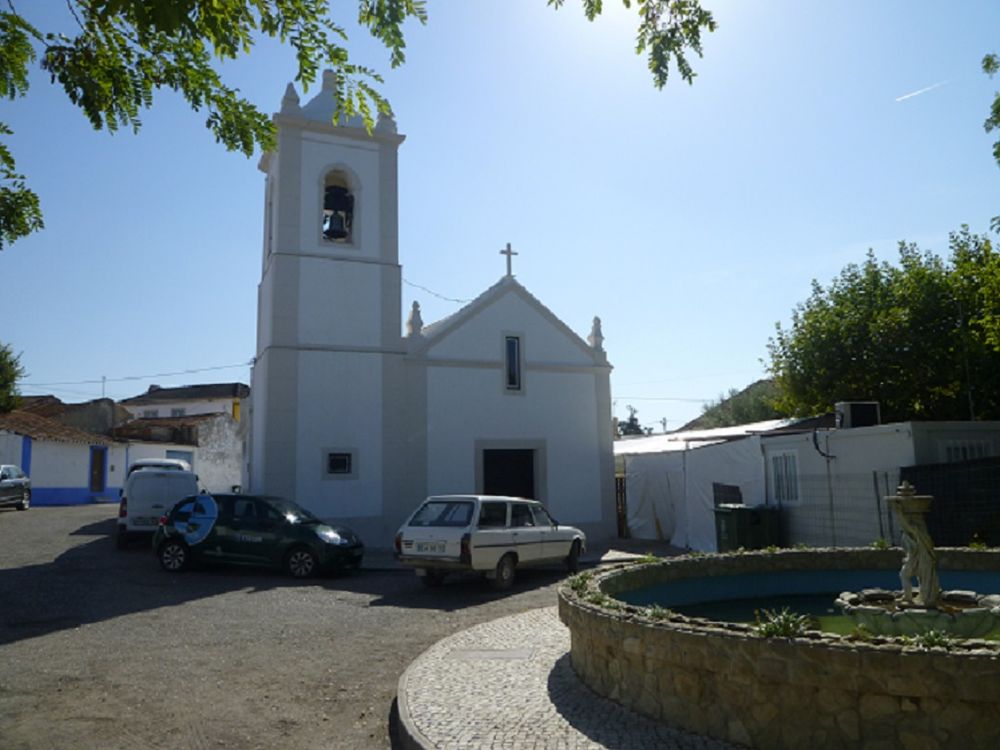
{"type": "Point", "coordinates": [253, 530]}
{"type": "Point", "coordinates": [15, 487]}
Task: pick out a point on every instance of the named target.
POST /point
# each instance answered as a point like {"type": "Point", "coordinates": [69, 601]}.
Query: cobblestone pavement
{"type": "Point", "coordinates": [508, 684]}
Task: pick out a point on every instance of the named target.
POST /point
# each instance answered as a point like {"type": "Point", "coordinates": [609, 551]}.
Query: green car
{"type": "Point", "coordinates": [253, 530]}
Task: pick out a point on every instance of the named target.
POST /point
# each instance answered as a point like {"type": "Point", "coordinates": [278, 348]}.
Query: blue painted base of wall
{"type": "Point", "coordinates": [72, 496]}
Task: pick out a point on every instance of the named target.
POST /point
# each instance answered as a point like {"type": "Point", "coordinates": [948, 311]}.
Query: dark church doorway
{"type": "Point", "coordinates": [509, 472]}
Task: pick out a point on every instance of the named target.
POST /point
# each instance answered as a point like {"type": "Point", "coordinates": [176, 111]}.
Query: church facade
{"type": "Point", "coordinates": [358, 421]}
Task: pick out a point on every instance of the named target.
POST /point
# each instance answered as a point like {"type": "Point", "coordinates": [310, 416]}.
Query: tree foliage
{"type": "Point", "coordinates": [921, 337]}
{"type": "Point", "coordinates": [755, 403]}
{"type": "Point", "coordinates": [631, 425]}
{"type": "Point", "coordinates": [10, 372]}
{"type": "Point", "coordinates": [122, 52]}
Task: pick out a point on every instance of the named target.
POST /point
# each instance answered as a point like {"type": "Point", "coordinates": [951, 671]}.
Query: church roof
{"type": "Point", "coordinates": [436, 331]}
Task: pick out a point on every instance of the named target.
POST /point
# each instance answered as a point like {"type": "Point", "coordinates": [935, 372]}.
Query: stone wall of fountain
{"type": "Point", "coordinates": [816, 691]}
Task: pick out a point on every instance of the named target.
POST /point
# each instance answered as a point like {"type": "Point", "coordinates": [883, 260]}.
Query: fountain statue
{"type": "Point", "coordinates": [964, 614]}
{"type": "Point", "coordinates": [919, 560]}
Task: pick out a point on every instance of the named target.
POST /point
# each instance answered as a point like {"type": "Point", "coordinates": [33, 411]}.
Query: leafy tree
{"type": "Point", "coordinates": [921, 337]}
{"type": "Point", "coordinates": [755, 403]}
{"type": "Point", "coordinates": [631, 425]}
{"type": "Point", "coordinates": [123, 51]}
{"type": "Point", "coordinates": [10, 372]}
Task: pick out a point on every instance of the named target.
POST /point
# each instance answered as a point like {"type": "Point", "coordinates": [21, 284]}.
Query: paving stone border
{"type": "Point", "coordinates": [817, 691]}
{"type": "Point", "coordinates": [508, 684]}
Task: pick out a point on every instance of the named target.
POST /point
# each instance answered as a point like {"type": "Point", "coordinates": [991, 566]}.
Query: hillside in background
{"type": "Point", "coordinates": [754, 403]}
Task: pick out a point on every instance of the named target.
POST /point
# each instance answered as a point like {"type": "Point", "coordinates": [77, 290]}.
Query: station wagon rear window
{"type": "Point", "coordinates": [443, 513]}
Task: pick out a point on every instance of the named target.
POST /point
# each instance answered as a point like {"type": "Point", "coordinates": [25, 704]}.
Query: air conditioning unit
{"type": "Point", "coordinates": [857, 414]}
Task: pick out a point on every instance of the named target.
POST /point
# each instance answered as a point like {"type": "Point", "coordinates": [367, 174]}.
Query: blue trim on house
{"type": "Point", "coordinates": [26, 454]}
{"type": "Point", "coordinates": [72, 496]}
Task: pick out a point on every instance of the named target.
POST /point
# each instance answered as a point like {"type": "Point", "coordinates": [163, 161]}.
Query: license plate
{"type": "Point", "coordinates": [432, 547]}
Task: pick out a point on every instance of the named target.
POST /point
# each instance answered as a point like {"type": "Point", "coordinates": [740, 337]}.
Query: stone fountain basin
{"type": "Point", "coordinates": [963, 614]}
{"type": "Point", "coordinates": [817, 691]}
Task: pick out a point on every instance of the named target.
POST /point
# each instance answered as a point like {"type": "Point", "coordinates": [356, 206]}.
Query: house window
{"type": "Point", "coordinates": [338, 209]}
{"type": "Point", "coordinates": [177, 412]}
{"type": "Point", "coordinates": [966, 450]}
{"type": "Point", "coordinates": [339, 462]}
{"type": "Point", "coordinates": [785, 477]}
{"type": "Point", "coordinates": [512, 363]}
{"type": "Point", "coordinates": [150, 413]}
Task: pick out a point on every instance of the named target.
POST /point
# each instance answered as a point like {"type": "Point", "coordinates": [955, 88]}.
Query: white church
{"type": "Point", "coordinates": [358, 421]}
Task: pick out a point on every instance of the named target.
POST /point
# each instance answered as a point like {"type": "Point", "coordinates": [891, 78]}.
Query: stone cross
{"type": "Point", "coordinates": [508, 252]}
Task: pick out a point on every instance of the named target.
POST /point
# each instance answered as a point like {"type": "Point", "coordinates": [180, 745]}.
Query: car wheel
{"type": "Point", "coordinates": [573, 558]}
{"type": "Point", "coordinates": [121, 537]}
{"type": "Point", "coordinates": [174, 555]}
{"type": "Point", "coordinates": [504, 578]}
{"type": "Point", "coordinates": [433, 578]}
{"type": "Point", "coordinates": [301, 563]}
{"type": "Point", "coordinates": [25, 500]}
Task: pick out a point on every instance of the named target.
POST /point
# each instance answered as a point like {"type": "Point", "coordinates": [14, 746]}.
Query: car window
{"type": "Point", "coordinates": [443, 513]}
{"type": "Point", "coordinates": [520, 515]}
{"type": "Point", "coordinates": [493, 515]}
{"type": "Point", "coordinates": [245, 509]}
{"type": "Point", "coordinates": [4, 474]}
{"type": "Point", "coordinates": [271, 513]}
{"type": "Point", "coordinates": [542, 517]}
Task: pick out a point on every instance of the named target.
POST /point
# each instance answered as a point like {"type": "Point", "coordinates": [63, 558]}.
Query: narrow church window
{"type": "Point", "coordinates": [512, 369]}
{"type": "Point", "coordinates": [338, 209]}
{"type": "Point", "coordinates": [338, 463]}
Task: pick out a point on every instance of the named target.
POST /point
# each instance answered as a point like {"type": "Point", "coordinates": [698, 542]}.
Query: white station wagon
{"type": "Point", "coordinates": [484, 533]}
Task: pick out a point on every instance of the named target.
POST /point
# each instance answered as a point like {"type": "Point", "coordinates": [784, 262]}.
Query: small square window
{"type": "Point", "coordinates": [177, 412]}
{"type": "Point", "coordinates": [339, 463]}
{"type": "Point", "coordinates": [150, 413]}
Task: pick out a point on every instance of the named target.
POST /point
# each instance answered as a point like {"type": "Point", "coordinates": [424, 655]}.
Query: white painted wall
{"type": "Point", "coordinates": [340, 406]}
{"type": "Point", "coordinates": [10, 448]}
{"type": "Point", "coordinates": [482, 337]}
{"type": "Point", "coordinates": [858, 450]}
{"type": "Point", "coordinates": [338, 303]}
{"type": "Point", "coordinates": [468, 404]}
{"type": "Point", "coordinates": [193, 407]}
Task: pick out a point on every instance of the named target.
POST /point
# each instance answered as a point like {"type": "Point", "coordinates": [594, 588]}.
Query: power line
{"type": "Point", "coordinates": [439, 296]}
{"type": "Point", "coordinates": [137, 377]}
{"type": "Point", "coordinates": [665, 398]}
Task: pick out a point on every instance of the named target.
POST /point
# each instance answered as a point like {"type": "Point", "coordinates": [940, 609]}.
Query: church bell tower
{"type": "Point", "coordinates": [328, 365]}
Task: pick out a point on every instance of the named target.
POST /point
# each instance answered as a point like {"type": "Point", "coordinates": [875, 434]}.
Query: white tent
{"type": "Point", "coordinates": [669, 479]}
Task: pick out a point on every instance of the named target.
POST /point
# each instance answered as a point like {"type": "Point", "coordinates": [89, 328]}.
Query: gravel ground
{"type": "Point", "coordinates": [102, 649]}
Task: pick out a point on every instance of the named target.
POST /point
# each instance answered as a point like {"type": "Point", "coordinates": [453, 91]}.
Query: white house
{"type": "Point", "coordinates": [358, 422]}
{"type": "Point", "coordinates": [67, 465]}
{"type": "Point", "coordinates": [70, 466]}
{"type": "Point", "coordinates": [188, 400]}
{"type": "Point", "coordinates": [828, 483]}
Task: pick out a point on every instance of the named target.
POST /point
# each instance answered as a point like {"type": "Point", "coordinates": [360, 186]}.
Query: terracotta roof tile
{"type": "Point", "coordinates": [42, 428]}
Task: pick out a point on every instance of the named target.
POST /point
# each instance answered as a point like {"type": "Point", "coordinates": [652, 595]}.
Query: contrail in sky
{"type": "Point", "coordinates": [918, 92]}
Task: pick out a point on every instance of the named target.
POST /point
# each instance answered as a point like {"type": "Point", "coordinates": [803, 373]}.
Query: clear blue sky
{"type": "Point", "coordinates": [690, 219]}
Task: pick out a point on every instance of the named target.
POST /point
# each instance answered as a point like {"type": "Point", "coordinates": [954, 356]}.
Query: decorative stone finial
{"type": "Point", "coordinates": [415, 325]}
{"type": "Point", "coordinates": [329, 80]}
{"type": "Point", "coordinates": [290, 101]}
{"type": "Point", "coordinates": [386, 123]}
{"type": "Point", "coordinates": [596, 337]}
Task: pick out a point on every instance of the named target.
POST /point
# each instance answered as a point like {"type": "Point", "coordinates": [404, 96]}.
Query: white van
{"type": "Point", "coordinates": [159, 463]}
{"type": "Point", "coordinates": [148, 494]}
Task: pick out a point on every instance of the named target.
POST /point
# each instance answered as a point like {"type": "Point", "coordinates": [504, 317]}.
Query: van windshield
{"type": "Point", "coordinates": [443, 513]}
